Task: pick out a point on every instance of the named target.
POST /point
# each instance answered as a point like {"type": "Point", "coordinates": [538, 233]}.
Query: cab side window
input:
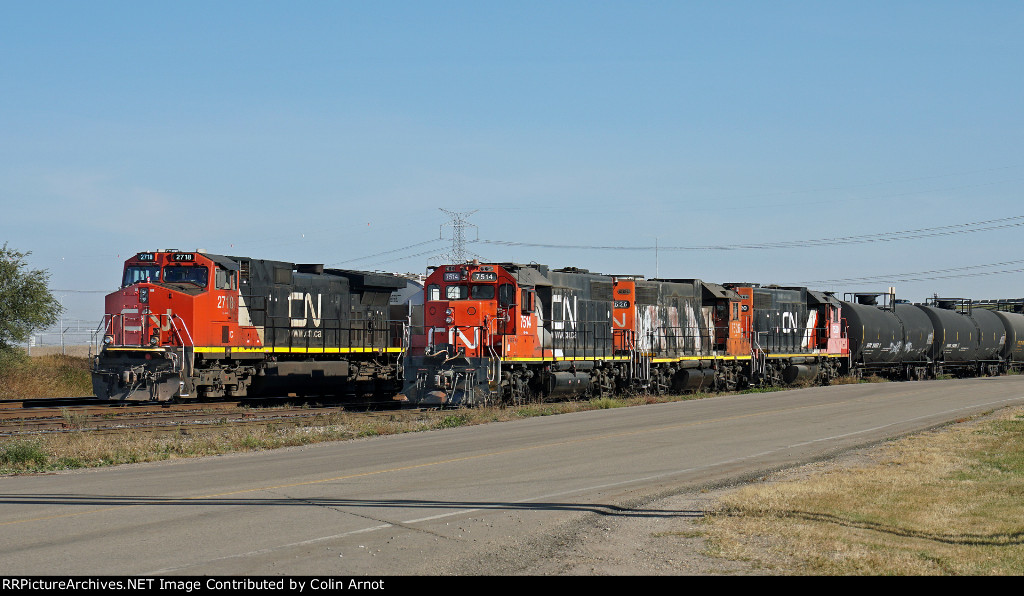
{"type": "Point", "coordinates": [527, 301]}
{"type": "Point", "coordinates": [225, 279]}
{"type": "Point", "coordinates": [506, 295]}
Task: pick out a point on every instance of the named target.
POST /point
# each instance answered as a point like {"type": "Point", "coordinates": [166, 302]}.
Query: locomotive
{"type": "Point", "coordinates": [198, 325]}
{"type": "Point", "coordinates": [506, 333]}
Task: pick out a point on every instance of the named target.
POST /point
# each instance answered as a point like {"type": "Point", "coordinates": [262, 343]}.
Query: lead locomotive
{"type": "Point", "coordinates": [192, 324]}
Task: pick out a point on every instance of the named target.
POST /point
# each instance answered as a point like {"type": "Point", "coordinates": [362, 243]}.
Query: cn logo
{"type": "Point", "coordinates": [307, 308]}
{"type": "Point", "coordinates": [471, 345]}
{"type": "Point", "coordinates": [569, 308]}
{"type": "Point", "coordinates": [789, 322]}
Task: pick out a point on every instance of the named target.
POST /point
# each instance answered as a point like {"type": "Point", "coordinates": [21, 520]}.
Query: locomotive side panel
{"type": "Point", "coordinates": [579, 314]}
{"type": "Point", "coordinates": [782, 323]}
{"type": "Point", "coordinates": [293, 311]}
{"type": "Point", "coordinates": [670, 319]}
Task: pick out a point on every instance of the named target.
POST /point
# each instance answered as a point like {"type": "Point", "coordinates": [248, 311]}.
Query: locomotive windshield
{"type": "Point", "coordinates": [456, 292]}
{"type": "Point", "coordinates": [182, 274]}
{"type": "Point", "coordinates": [476, 292]}
{"type": "Point", "coordinates": [482, 292]}
{"type": "Point", "coordinates": [136, 274]}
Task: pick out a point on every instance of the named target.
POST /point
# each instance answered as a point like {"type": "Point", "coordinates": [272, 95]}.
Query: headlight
{"type": "Point", "coordinates": [448, 320]}
{"type": "Point", "coordinates": [449, 311]}
{"type": "Point", "coordinates": [155, 339]}
{"type": "Point", "coordinates": [144, 295]}
{"type": "Point", "coordinates": [108, 339]}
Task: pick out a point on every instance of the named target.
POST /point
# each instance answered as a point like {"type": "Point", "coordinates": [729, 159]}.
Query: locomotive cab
{"type": "Point", "coordinates": [169, 303]}
{"type": "Point", "coordinates": [476, 316]}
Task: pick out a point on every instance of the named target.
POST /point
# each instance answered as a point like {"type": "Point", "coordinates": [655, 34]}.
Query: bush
{"type": "Point", "coordinates": [23, 454]}
{"type": "Point", "coordinates": [453, 421]}
{"type": "Point", "coordinates": [11, 359]}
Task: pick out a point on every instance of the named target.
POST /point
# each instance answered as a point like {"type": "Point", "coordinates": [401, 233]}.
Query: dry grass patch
{"type": "Point", "coordinates": [54, 375]}
{"type": "Point", "coordinates": [945, 502]}
{"type": "Point", "coordinates": [86, 449]}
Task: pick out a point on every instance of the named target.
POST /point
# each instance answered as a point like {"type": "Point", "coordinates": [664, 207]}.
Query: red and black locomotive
{"type": "Point", "coordinates": [192, 324]}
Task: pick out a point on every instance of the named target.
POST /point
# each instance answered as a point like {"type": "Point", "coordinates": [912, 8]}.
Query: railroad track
{"type": "Point", "coordinates": [32, 417]}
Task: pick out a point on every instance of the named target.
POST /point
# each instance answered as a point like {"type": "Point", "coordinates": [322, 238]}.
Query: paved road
{"type": "Point", "coordinates": [428, 503]}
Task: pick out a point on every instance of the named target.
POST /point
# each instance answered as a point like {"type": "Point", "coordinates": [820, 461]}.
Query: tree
{"type": "Point", "coordinates": [26, 303]}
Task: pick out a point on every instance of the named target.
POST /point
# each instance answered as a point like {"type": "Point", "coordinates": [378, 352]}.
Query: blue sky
{"type": "Point", "coordinates": [335, 132]}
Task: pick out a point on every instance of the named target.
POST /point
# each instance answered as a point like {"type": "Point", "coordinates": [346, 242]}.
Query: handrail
{"type": "Point", "coordinates": [191, 343]}
{"type": "Point", "coordinates": [113, 325]}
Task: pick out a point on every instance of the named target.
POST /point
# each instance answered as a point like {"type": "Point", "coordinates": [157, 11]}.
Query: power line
{"type": "Point", "coordinates": [952, 273]}
{"type": "Point", "coordinates": [967, 228]}
{"type": "Point", "coordinates": [419, 254]}
{"type": "Point", "coordinates": [892, 276]}
{"type": "Point", "coordinates": [387, 252]}
{"type": "Point", "coordinates": [83, 291]}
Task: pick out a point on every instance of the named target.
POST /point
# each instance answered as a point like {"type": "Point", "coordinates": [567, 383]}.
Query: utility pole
{"type": "Point", "coordinates": [458, 223]}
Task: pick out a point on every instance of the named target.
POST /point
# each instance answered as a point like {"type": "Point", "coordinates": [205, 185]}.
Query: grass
{"type": "Point", "coordinates": [84, 449]}
{"type": "Point", "coordinates": [22, 453]}
{"type": "Point", "coordinates": [945, 502]}
{"type": "Point", "coordinates": [604, 403]}
{"type": "Point", "coordinates": [54, 375]}
{"type": "Point", "coordinates": [74, 419]}
{"type": "Point", "coordinates": [454, 420]}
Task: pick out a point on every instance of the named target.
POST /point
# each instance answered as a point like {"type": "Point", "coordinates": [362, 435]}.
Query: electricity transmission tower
{"type": "Point", "coordinates": [458, 224]}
